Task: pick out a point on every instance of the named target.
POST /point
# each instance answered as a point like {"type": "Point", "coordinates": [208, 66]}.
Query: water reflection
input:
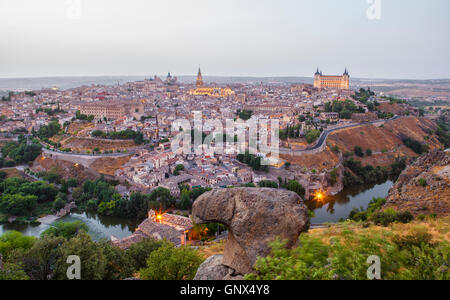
{"type": "Point", "coordinates": [100, 227]}
{"type": "Point", "coordinates": [333, 208]}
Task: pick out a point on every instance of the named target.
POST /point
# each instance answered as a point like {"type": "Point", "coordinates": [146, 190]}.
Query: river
{"type": "Point", "coordinates": [100, 227]}
{"type": "Point", "coordinates": [333, 208]}
{"type": "Point", "coordinates": [329, 210]}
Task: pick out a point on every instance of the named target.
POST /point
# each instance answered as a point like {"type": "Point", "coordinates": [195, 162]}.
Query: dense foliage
{"type": "Point", "coordinates": [255, 162]}
{"type": "Point", "coordinates": [344, 108]}
{"type": "Point", "coordinates": [369, 175]}
{"type": "Point", "coordinates": [312, 135]}
{"type": "Point", "coordinates": [416, 146]}
{"type": "Point", "coordinates": [245, 114]}
{"type": "Point", "coordinates": [46, 258]}
{"type": "Point", "coordinates": [375, 214]}
{"type": "Point", "coordinates": [22, 152]}
{"type": "Point", "coordinates": [127, 134]}
{"type": "Point", "coordinates": [101, 196]}
{"type": "Point", "coordinates": [411, 257]}
{"type": "Point", "coordinates": [66, 230]}
{"type": "Point", "coordinates": [20, 197]}
{"type": "Point", "coordinates": [170, 263]}
{"type": "Point", "coordinates": [50, 130]}
{"type": "Point", "coordinates": [80, 116]}
{"type": "Point", "coordinates": [290, 132]}
{"type": "Point", "coordinates": [443, 132]}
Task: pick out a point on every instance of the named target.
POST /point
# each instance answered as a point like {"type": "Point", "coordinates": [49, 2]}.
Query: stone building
{"type": "Point", "coordinates": [335, 82]}
{"type": "Point", "coordinates": [159, 226]}
{"type": "Point", "coordinates": [113, 110]}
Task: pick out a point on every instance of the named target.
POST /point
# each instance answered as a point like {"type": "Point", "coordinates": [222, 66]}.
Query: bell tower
{"type": "Point", "coordinates": [199, 78]}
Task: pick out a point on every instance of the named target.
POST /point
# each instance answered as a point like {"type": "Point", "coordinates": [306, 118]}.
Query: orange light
{"type": "Point", "coordinates": [159, 217]}
{"type": "Point", "coordinates": [319, 196]}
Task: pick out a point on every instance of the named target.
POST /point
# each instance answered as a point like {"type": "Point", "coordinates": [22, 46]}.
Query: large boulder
{"type": "Point", "coordinates": [212, 269]}
{"type": "Point", "coordinates": [255, 217]}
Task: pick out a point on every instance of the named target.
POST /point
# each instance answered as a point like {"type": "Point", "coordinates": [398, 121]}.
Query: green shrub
{"type": "Point", "coordinates": [170, 263]}
{"type": "Point", "coordinates": [345, 258]}
{"type": "Point", "coordinates": [388, 216]}
{"type": "Point", "coordinates": [423, 182]}
{"type": "Point", "coordinates": [66, 230]}
{"type": "Point", "coordinates": [13, 240]}
{"type": "Point", "coordinates": [139, 252]}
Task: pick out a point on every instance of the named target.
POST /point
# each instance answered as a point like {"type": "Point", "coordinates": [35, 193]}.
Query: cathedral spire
{"type": "Point", "coordinates": [199, 78]}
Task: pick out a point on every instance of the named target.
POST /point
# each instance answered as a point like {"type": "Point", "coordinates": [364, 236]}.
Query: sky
{"type": "Point", "coordinates": [398, 39]}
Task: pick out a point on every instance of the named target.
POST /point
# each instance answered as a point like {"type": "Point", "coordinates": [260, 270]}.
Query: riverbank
{"type": "Point", "coordinates": [332, 209]}
{"type": "Point", "coordinates": [100, 227]}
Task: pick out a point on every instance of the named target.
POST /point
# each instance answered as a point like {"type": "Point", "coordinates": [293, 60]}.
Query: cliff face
{"type": "Point", "coordinates": [424, 187]}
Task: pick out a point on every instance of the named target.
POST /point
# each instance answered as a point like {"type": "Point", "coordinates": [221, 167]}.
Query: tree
{"type": "Point", "coordinates": [170, 263]}
{"type": "Point", "coordinates": [12, 272]}
{"type": "Point", "coordinates": [119, 266]}
{"type": "Point", "coordinates": [185, 200]}
{"type": "Point", "coordinates": [50, 130]}
{"type": "Point", "coordinates": [44, 191]}
{"type": "Point", "coordinates": [312, 136]}
{"type": "Point", "coordinates": [139, 252]}
{"type": "Point", "coordinates": [40, 261]}
{"type": "Point", "coordinates": [358, 151]}
{"type": "Point", "coordinates": [416, 146]}
{"type": "Point", "coordinates": [13, 240]}
{"type": "Point", "coordinates": [245, 114]}
{"type": "Point", "coordinates": [177, 170]}
{"type": "Point", "coordinates": [66, 230]}
{"type": "Point", "coordinates": [268, 184]}
{"type": "Point", "coordinates": [93, 260]}
{"type": "Point", "coordinates": [17, 204]}
{"type": "Point", "coordinates": [296, 187]}
{"type": "Point", "coordinates": [369, 152]}
{"type": "Point", "coordinates": [161, 198]}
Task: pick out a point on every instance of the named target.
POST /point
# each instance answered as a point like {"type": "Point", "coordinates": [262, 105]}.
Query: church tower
{"type": "Point", "coordinates": [199, 78]}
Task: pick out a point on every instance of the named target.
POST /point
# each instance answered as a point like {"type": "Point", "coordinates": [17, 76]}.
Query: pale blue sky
{"type": "Point", "coordinates": [225, 37]}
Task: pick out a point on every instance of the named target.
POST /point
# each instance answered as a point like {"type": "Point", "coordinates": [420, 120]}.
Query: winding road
{"type": "Point", "coordinates": [323, 137]}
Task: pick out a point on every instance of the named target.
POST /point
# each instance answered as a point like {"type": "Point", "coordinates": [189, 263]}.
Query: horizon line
{"type": "Point", "coordinates": [211, 76]}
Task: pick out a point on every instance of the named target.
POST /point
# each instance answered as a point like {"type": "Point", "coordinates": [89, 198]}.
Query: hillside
{"type": "Point", "coordinates": [109, 165]}
{"type": "Point", "coordinates": [89, 144]}
{"type": "Point", "coordinates": [340, 251]}
{"type": "Point", "coordinates": [80, 129]}
{"type": "Point", "coordinates": [424, 187]}
{"type": "Point", "coordinates": [63, 168]}
{"type": "Point", "coordinates": [386, 142]}
{"type": "Point", "coordinates": [320, 161]}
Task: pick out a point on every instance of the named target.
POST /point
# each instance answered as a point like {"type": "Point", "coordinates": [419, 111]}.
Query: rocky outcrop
{"type": "Point", "coordinates": [255, 217]}
{"type": "Point", "coordinates": [212, 269]}
{"type": "Point", "coordinates": [423, 187]}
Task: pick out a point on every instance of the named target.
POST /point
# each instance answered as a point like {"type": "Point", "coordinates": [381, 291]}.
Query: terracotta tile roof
{"type": "Point", "coordinates": [126, 243]}
{"type": "Point", "coordinates": [159, 231]}
{"type": "Point", "coordinates": [178, 222]}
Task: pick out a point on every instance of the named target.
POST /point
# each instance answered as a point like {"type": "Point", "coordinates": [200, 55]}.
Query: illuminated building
{"type": "Point", "coordinates": [202, 90]}
{"type": "Point", "coordinates": [335, 82]}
